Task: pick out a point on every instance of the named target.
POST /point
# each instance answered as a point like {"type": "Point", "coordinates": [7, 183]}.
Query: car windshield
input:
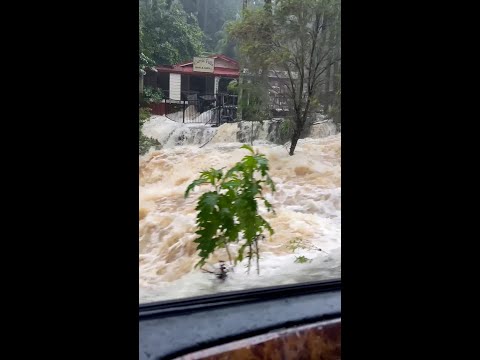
{"type": "Point", "coordinates": [239, 145]}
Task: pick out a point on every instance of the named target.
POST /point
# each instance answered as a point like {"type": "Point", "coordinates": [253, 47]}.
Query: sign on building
{"type": "Point", "coordinates": [203, 64]}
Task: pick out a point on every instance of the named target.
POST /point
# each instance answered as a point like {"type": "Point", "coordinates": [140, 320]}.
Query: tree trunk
{"type": "Point", "coordinates": [330, 57]}
{"type": "Point", "coordinates": [295, 138]}
{"type": "Point", "coordinates": [297, 132]}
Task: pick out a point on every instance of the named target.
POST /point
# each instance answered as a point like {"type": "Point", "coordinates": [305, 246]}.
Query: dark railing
{"type": "Point", "coordinates": [213, 109]}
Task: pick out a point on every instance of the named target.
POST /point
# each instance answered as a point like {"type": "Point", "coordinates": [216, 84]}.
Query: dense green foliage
{"type": "Point", "coordinates": [152, 95]}
{"type": "Point", "coordinates": [168, 35]}
{"type": "Point", "coordinates": [144, 114]}
{"type": "Point", "coordinates": [228, 214]}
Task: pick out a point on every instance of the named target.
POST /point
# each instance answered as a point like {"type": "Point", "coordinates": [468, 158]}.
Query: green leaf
{"type": "Point", "coordinates": [230, 212]}
{"type": "Point", "coordinates": [195, 183]}
{"type": "Point", "coordinates": [209, 199]}
{"type": "Point", "coordinates": [247, 147]}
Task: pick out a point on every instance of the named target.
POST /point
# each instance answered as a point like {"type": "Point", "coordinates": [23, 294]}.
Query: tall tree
{"type": "Point", "coordinates": [168, 34]}
{"type": "Point", "coordinates": [293, 43]}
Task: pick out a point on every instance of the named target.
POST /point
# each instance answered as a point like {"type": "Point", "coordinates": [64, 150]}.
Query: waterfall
{"type": "Point", "coordinates": [174, 133]}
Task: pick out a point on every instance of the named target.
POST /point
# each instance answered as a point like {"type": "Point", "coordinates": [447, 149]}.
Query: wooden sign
{"type": "Point", "coordinates": [203, 64]}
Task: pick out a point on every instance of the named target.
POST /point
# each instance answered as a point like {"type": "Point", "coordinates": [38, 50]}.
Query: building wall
{"type": "Point", "coordinates": [175, 83]}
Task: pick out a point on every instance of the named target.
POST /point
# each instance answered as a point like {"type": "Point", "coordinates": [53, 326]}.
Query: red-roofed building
{"type": "Point", "coordinates": [209, 75]}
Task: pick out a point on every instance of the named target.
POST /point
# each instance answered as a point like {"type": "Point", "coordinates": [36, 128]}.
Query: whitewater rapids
{"type": "Point", "coordinates": [307, 204]}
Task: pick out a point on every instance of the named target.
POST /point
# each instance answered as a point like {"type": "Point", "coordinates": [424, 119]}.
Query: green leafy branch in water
{"type": "Point", "coordinates": [229, 212]}
{"type": "Point", "coordinates": [302, 259]}
{"type": "Point", "coordinates": [299, 243]}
